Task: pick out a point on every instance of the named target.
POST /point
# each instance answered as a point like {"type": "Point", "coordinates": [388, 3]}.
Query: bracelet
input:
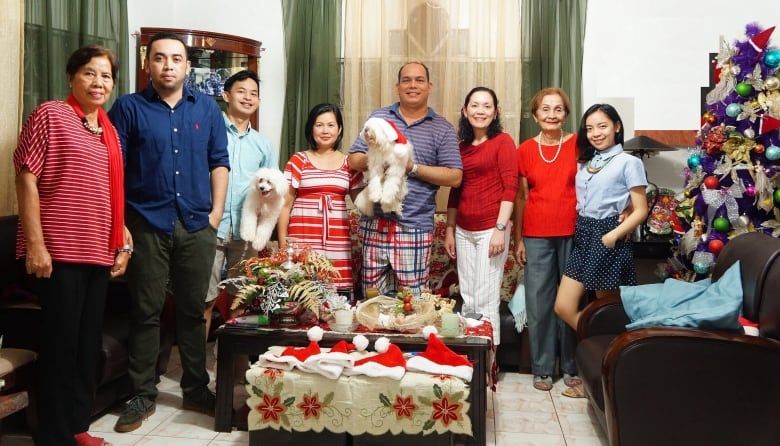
{"type": "Point", "coordinates": [126, 249]}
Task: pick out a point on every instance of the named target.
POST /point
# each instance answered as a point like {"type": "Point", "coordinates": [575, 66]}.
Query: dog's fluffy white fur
{"type": "Point", "coordinates": [386, 174]}
{"type": "Point", "coordinates": [262, 206]}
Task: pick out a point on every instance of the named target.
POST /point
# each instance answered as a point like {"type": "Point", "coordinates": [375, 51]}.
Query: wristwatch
{"type": "Point", "coordinates": [500, 226]}
{"type": "Point", "coordinates": [413, 172]}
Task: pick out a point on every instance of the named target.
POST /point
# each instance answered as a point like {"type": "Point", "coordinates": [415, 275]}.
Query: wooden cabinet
{"type": "Point", "coordinates": [214, 57]}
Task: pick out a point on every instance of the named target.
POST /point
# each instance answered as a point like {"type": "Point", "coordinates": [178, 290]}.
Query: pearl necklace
{"type": "Point", "coordinates": [95, 130]}
{"type": "Point", "coordinates": [557, 152]}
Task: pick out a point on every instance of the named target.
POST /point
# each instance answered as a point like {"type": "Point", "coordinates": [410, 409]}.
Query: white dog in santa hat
{"type": "Point", "coordinates": [388, 155]}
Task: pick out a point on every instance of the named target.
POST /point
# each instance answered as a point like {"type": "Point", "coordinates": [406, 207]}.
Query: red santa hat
{"type": "Point", "coordinates": [438, 359]}
{"type": "Point", "coordinates": [389, 362]}
{"type": "Point", "coordinates": [332, 363]}
{"type": "Point", "coordinates": [760, 40]}
{"type": "Point", "coordinates": [292, 357]}
{"type": "Point", "coordinates": [767, 124]}
{"type": "Point", "coordinates": [388, 128]}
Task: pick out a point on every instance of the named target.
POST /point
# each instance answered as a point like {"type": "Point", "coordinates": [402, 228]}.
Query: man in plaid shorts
{"type": "Point", "coordinates": [396, 249]}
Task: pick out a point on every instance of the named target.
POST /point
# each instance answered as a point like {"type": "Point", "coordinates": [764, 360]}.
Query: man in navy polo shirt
{"type": "Point", "coordinates": [176, 176]}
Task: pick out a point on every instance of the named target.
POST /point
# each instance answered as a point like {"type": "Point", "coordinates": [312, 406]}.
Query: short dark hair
{"type": "Point", "coordinates": [313, 114]}
{"type": "Point", "coordinates": [587, 151]}
{"type": "Point", "coordinates": [83, 55]}
{"type": "Point", "coordinates": [241, 76]}
{"type": "Point", "coordinates": [427, 71]}
{"type": "Point", "coordinates": [466, 131]}
{"type": "Point", "coordinates": [165, 35]}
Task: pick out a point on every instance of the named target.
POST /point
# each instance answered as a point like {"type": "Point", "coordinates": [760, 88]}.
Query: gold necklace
{"type": "Point", "coordinates": [541, 154]}
{"type": "Point", "coordinates": [594, 170]}
{"type": "Point", "coordinates": [95, 130]}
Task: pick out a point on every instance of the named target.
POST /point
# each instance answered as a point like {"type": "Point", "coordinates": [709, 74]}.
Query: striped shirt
{"type": "Point", "coordinates": [71, 164]}
{"type": "Point", "coordinates": [434, 143]}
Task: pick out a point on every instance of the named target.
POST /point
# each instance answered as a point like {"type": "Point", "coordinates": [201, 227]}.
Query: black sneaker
{"type": "Point", "coordinates": [203, 401]}
{"type": "Point", "coordinates": [134, 413]}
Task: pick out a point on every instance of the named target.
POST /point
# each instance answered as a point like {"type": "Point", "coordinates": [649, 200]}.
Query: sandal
{"type": "Point", "coordinates": [574, 392]}
{"type": "Point", "coordinates": [543, 383]}
{"type": "Point", "coordinates": [571, 380]}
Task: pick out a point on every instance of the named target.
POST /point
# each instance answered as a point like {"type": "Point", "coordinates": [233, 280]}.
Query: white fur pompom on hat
{"type": "Point", "coordinates": [315, 333]}
{"type": "Point", "coordinates": [381, 345]}
{"type": "Point", "coordinates": [360, 342]}
{"type": "Point", "coordinates": [429, 330]}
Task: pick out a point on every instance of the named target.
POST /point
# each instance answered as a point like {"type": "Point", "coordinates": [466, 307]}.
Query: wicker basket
{"type": "Point", "coordinates": [379, 313]}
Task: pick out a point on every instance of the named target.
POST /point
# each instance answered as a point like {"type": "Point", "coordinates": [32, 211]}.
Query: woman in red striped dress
{"type": "Point", "coordinates": [315, 211]}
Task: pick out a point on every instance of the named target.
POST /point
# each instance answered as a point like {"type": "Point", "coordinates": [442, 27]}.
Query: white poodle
{"type": "Point", "coordinates": [388, 155]}
{"type": "Point", "coordinates": [262, 206]}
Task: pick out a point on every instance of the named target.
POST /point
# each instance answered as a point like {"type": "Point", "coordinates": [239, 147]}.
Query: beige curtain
{"type": "Point", "coordinates": [12, 39]}
{"type": "Point", "coordinates": [465, 43]}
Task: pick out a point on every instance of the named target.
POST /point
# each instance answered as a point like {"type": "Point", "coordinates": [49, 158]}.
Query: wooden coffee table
{"type": "Point", "coordinates": [235, 341]}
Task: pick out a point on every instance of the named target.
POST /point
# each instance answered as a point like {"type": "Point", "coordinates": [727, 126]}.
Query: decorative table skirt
{"type": "Point", "coordinates": [298, 401]}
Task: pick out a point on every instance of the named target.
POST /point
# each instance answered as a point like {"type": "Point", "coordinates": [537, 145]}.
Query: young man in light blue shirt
{"type": "Point", "coordinates": [248, 151]}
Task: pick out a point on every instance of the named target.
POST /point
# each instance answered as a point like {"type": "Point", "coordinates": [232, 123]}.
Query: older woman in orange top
{"type": "Point", "coordinates": [544, 219]}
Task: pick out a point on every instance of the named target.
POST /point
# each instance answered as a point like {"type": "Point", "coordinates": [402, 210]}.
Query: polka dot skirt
{"type": "Point", "coordinates": [593, 264]}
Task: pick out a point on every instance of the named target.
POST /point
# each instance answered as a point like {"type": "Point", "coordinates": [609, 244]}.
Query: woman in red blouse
{"type": "Point", "coordinates": [478, 211]}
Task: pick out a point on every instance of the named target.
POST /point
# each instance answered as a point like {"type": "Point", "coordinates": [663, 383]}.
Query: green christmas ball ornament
{"type": "Point", "coordinates": [743, 89]}
{"type": "Point", "coordinates": [776, 196]}
{"type": "Point", "coordinates": [721, 224]}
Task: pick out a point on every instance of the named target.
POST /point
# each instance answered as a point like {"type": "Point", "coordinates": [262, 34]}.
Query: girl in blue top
{"type": "Point", "coordinates": [608, 182]}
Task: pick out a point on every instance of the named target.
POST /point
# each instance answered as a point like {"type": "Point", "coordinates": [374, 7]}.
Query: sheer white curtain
{"type": "Point", "coordinates": [465, 43]}
{"type": "Point", "coordinates": [12, 39]}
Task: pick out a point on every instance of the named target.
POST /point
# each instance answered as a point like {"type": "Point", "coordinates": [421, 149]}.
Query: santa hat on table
{"type": "Point", "coordinates": [292, 357]}
{"type": "Point", "coordinates": [331, 363]}
{"type": "Point", "coordinates": [388, 363]}
{"type": "Point", "coordinates": [438, 359]}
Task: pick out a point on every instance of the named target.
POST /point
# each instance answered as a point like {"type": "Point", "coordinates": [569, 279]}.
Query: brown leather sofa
{"type": "Point", "coordinates": [683, 386]}
{"type": "Point", "coordinates": [20, 320]}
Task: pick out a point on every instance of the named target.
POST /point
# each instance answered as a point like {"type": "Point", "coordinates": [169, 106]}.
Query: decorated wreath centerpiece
{"type": "Point", "coordinates": [273, 284]}
{"type": "Point", "coordinates": [404, 311]}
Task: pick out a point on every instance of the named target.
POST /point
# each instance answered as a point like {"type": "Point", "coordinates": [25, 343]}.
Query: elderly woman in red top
{"type": "Point", "coordinates": [478, 211]}
{"type": "Point", "coordinates": [69, 184]}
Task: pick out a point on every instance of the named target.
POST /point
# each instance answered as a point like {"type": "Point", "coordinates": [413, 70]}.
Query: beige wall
{"type": "Point", "coordinates": [11, 39]}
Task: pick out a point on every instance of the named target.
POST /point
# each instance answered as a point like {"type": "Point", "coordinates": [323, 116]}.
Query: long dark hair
{"type": "Point", "coordinates": [313, 114]}
{"type": "Point", "coordinates": [466, 131]}
{"type": "Point", "coordinates": [587, 151]}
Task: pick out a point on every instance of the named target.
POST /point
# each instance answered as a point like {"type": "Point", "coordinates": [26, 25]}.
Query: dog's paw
{"type": "Point", "coordinates": [363, 204]}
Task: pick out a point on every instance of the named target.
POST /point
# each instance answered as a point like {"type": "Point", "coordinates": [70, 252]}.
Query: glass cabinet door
{"type": "Point", "coordinates": [213, 57]}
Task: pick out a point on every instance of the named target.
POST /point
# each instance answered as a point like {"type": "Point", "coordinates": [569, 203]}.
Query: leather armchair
{"type": "Point", "coordinates": [685, 386]}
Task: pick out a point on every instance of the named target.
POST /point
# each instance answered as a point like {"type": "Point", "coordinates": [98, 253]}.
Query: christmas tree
{"type": "Point", "coordinates": [731, 183]}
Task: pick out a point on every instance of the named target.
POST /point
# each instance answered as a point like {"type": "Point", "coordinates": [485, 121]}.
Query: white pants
{"type": "Point", "coordinates": [480, 275]}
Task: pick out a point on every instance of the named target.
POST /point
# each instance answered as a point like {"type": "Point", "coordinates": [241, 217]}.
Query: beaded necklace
{"type": "Point", "coordinates": [594, 170]}
{"type": "Point", "coordinates": [557, 152]}
{"type": "Point", "coordinates": [95, 130]}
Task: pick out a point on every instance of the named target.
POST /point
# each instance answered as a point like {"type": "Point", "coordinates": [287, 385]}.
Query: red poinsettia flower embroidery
{"type": "Point", "coordinates": [310, 406]}
{"type": "Point", "coordinates": [446, 411]}
{"type": "Point", "coordinates": [271, 408]}
{"type": "Point", "coordinates": [272, 374]}
{"type": "Point", "coordinates": [404, 407]}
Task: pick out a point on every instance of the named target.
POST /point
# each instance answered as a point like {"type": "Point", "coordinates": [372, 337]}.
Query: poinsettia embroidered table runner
{"type": "Point", "coordinates": [298, 401]}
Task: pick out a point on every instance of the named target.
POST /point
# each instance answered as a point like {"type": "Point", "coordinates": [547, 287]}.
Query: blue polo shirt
{"type": "Point", "coordinates": [169, 154]}
{"type": "Point", "coordinates": [606, 193]}
{"type": "Point", "coordinates": [434, 143]}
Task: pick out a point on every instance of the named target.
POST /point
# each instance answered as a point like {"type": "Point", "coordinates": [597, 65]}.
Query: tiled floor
{"type": "Point", "coordinates": [518, 416]}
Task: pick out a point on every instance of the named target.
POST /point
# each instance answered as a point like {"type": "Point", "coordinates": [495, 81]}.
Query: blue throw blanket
{"type": "Point", "coordinates": [517, 307]}
{"type": "Point", "coordinates": [676, 303]}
